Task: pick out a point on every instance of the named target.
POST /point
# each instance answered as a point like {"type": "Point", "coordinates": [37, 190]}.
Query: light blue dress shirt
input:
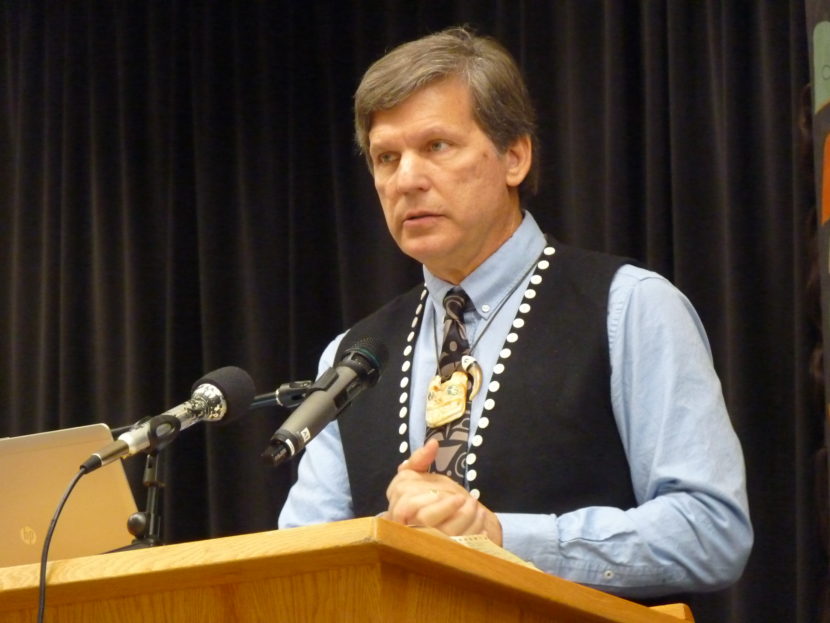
{"type": "Point", "coordinates": [691, 529]}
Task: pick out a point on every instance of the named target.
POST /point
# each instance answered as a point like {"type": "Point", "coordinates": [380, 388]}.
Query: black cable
{"type": "Point", "coordinates": [41, 606]}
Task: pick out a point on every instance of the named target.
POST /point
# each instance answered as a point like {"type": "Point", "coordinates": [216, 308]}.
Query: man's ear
{"type": "Point", "coordinates": [519, 157]}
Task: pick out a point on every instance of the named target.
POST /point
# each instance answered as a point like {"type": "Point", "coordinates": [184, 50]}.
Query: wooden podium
{"type": "Point", "coordinates": [363, 570]}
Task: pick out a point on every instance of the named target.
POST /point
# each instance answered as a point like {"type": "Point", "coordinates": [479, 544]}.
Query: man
{"type": "Point", "coordinates": [594, 440]}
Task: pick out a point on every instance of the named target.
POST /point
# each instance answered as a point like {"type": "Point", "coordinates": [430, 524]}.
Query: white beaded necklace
{"type": "Point", "coordinates": [519, 322]}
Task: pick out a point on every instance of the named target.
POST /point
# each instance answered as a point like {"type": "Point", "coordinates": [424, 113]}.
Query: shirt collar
{"type": "Point", "coordinates": [497, 276]}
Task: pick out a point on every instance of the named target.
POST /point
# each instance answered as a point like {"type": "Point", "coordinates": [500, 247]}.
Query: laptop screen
{"type": "Point", "coordinates": [36, 470]}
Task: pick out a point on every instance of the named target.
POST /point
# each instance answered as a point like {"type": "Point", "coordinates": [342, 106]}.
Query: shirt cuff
{"type": "Point", "coordinates": [602, 565]}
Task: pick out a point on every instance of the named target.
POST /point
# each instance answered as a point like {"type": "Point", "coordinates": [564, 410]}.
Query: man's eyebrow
{"type": "Point", "coordinates": [429, 132]}
{"type": "Point", "coordinates": [377, 146]}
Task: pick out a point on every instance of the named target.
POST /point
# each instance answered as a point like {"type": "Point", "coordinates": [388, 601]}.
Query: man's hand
{"type": "Point", "coordinates": [417, 497]}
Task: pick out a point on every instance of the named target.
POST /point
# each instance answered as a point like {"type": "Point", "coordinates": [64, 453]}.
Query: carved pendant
{"type": "Point", "coordinates": [447, 401]}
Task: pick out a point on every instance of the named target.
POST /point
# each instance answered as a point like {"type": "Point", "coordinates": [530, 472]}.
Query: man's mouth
{"type": "Point", "coordinates": [420, 216]}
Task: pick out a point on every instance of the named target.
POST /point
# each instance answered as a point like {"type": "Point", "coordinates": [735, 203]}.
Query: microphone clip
{"type": "Point", "coordinates": [162, 430]}
{"type": "Point", "coordinates": [287, 395]}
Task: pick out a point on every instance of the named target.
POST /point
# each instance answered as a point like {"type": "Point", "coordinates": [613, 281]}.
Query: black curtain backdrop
{"type": "Point", "coordinates": [179, 192]}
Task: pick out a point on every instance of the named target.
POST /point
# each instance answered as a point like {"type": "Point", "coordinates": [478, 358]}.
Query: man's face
{"type": "Point", "coordinates": [449, 198]}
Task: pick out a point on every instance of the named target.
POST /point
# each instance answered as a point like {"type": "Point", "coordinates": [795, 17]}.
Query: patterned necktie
{"type": "Point", "coordinates": [452, 437]}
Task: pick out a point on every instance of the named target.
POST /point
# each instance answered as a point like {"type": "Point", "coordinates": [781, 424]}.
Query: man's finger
{"type": "Point", "coordinates": [422, 458]}
{"type": "Point", "coordinates": [429, 509]}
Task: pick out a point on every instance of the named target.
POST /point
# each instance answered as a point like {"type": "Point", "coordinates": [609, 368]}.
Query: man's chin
{"type": "Point", "coordinates": [425, 249]}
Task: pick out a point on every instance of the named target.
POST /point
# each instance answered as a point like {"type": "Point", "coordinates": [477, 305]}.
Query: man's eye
{"type": "Point", "coordinates": [386, 158]}
{"type": "Point", "coordinates": [438, 145]}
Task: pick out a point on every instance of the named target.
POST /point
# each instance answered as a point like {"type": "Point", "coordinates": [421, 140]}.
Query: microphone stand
{"type": "Point", "coordinates": [145, 525]}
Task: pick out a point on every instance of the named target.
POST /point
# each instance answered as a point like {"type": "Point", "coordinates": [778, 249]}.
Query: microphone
{"type": "Point", "coordinates": [223, 393]}
{"type": "Point", "coordinates": [330, 394]}
{"type": "Point", "coordinates": [287, 395]}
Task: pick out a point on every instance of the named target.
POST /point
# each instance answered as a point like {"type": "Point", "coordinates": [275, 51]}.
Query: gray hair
{"type": "Point", "coordinates": [501, 102]}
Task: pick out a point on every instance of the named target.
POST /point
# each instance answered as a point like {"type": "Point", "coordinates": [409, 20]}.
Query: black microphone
{"type": "Point", "coordinates": [223, 393]}
{"type": "Point", "coordinates": [287, 395]}
{"type": "Point", "coordinates": [330, 394]}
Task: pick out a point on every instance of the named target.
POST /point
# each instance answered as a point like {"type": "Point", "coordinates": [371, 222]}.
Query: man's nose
{"type": "Point", "coordinates": [411, 174]}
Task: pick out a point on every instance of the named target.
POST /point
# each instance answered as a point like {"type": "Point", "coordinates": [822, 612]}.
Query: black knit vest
{"type": "Point", "coordinates": [552, 444]}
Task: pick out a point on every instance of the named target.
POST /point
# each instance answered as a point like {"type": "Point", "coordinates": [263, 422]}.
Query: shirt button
{"type": "Point", "coordinates": [608, 574]}
{"type": "Point", "coordinates": [485, 308]}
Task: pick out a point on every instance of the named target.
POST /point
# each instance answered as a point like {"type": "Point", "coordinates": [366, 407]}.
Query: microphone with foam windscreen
{"type": "Point", "coordinates": [223, 394]}
{"type": "Point", "coordinates": [326, 398]}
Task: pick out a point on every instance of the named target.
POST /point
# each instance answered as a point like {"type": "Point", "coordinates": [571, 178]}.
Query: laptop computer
{"type": "Point", "coordinates": [36, 470]}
